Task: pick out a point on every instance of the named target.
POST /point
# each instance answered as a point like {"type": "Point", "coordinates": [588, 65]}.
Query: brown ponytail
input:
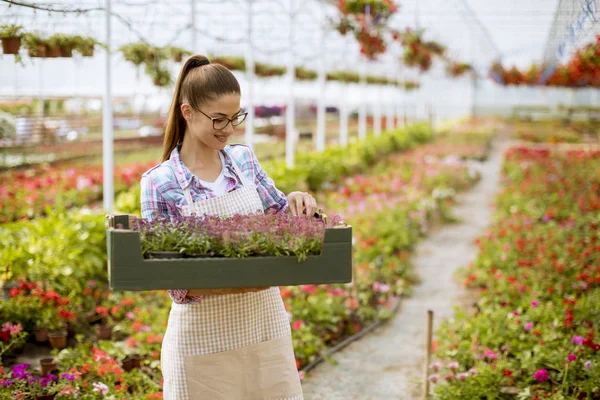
{"type": "Point", "coordinates": [198, 82]}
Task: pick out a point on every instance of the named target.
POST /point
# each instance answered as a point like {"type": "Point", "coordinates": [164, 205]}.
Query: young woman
{"type": "Point", "coordinates": [223, 344]}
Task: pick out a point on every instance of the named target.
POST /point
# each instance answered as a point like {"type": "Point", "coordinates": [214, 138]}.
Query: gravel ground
{"type": "Point", "coordinates": [388, 363]}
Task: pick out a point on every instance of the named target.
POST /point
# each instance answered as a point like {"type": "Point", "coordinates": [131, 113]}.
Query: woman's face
{"type": "Point", "coordinates": [200, 126]}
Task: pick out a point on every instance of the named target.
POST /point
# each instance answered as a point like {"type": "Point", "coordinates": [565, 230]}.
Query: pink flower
{"type": "Point", "coordinates": [535, 303]}
{"type": "Point", "coordinates": [434, 378]}
{"type": "Point", "coordinates": [577, 339]}
{"type": "Point", "coordinates": [528, 326]}
{"type": "Point", "coordinates": [462, 376]}
{"type": "Point", "coordinates": [130, 315]}
{"type": "Point", "coordinates": [491, 355]}
{"type": "Point", "coordinates": [587, 364]}
{"type": "Point", "coordinates": [571, 357]}
{"type": "Point", "coordinates": [472, 372]}
{"type": "Point", "coordinates": [453, 365]}
{"type": "Point", "coordinates": [6, 327]}
{"type": "Point", "coordinates": [301, 375]}
{"type": "Point", "coordinates": [101, 388]}
{"type": "Point", "coordinates": [310, 289]}
{"type": "Point", "coordinates": [541, 375]}
{"type": "Point", "coordinates": [298, 324]}
{"type": "Point", "coordinates": [15, 329]}
{"type": "Point", "coordinates": [436, 366]}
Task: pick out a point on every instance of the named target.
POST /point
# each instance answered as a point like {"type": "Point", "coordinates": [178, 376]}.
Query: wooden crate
{"type": "Point", "coordinates": [128, 270]}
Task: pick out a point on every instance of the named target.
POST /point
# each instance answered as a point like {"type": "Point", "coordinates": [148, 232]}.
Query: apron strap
{"type": "Point", "coordinates": [239, 173]}
{"type": "Point", "coordinates": [188, 196]}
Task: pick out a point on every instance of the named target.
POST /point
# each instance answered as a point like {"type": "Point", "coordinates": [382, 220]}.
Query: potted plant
{"type": "Point", "coordinates": [84, 45]}
{"type": "Point", "coordinates": [11, 38]}
{"type": "Point", "coordinates": [36, 46]}
{"type": "Point", "coordinates": [137, 53]}
{"type": "Point", "coordinates": [48, 365]}
{"type": "Point", "coordinates": [31, 385]}
{"type": "Point", "coordinates": [305, 74]}
{"type": "Point", "coordinates": [57, 332]}
{"type": "Point", "coordinates": [12, 337]}
{"type": "Point", "coordinates": [232, 63]}
{"type": "Point", "coordinates": [177, 53]}
{"type": "Point", "coordinates": [268, 70]}
{"type": "Point", "coordinates": [160, 75]}
{"type": "Point", "coordinates": [7, 287]}
{"type": "Point", "coordinates": [60, 45]}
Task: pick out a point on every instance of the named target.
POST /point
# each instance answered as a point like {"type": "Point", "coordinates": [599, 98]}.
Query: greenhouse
{"type": "Point", "coordinates": [300, 199]}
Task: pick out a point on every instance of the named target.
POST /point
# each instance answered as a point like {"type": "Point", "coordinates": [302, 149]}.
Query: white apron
{"type": "Point", "coordinates": [234, 346]}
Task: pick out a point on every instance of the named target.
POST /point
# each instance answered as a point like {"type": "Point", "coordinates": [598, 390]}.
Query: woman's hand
{"type": "Point", "coordinates": [301, 203]}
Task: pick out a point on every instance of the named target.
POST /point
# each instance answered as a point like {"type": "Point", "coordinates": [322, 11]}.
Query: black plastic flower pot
{"type": "Point", "coordinates": [164, 255]}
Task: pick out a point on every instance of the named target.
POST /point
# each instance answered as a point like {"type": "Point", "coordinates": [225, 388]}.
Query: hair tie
{"type": "Point", "coordinates": [199, 63]}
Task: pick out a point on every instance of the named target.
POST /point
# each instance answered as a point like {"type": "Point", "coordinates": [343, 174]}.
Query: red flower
{"type": "Point", "coordinates": [298, 324]}
{"type": "Point", "coordinates": [101, 310]}
{"type": "Point", "coordinates": [5, 336]}
{"type": "Point", "coordinates": [14, 292]}
{"type": "Point", "coordinates": [52, 296]}
{"type": "Point", "coordinates": [64, 301]}
{"type": "Point", "coordinates": [507, 372]}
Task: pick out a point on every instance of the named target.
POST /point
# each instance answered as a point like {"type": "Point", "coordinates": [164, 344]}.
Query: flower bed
{"type": "Point", "coordinates": [320, 316]}
{"type": "Point", "coordinates": [30, 194]}
{"type": "Point", "coordinates": [534, 331]}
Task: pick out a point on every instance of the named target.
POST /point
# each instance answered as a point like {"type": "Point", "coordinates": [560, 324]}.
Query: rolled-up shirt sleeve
{"type": "Point", "coordinates": [154, 205]}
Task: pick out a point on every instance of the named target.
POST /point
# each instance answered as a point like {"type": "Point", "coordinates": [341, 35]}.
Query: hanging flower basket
{"type": "Point", "coordinates": [230, 62]}
{"type": "Point", "coordinates": [343, 76]}
{"type": "Point", "coordinates": [344, 25]}
{"type": "Point", "coordinates": [305, 74]}
{"type": "Point", "coordinates": [35, 45]}
{"type": "Point", "coordinates": [138, 53]}
{"type": "Point", "coordinates": [371, 43]}
{"type": "Point", "coordinates": [236, 264]}
{"type": "Point", "coordinates": [177, 53]}
{"type": "Point", "coordinates": [381, 8]}
{"type": "Point", "coordinates": [85, 46]}
{"type": "Point", "coordinates": [60, 46]}
{"type": "Point", "coordinates": [11, 38]}
{"type": "Point", "coordinates": [457, 69]}
{"type": "Point", "coordinates": [11, 45]}
{"type": "Point", "coordinates": [268, 70]}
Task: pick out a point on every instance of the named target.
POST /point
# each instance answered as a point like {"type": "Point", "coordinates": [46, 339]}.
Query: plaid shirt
{"type": "Point", "coordinates": [162, 190]}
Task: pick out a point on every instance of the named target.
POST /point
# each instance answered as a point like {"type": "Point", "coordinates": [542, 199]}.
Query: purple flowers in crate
{"type": "Point", "coordinates": [239, 236]}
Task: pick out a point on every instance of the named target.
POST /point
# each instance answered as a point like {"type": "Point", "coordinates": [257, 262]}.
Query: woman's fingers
{"type": "Point", "coordinates": [300, 203]}
{"type": "Point", "coordinates": [311, 204]}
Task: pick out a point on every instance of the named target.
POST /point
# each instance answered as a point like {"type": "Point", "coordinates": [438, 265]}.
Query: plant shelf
{"type": "Point", "coordinates": [128, 270]}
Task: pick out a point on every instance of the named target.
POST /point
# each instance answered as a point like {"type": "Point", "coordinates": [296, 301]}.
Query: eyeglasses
{"type": "Point", "coordinates": [222, 122]}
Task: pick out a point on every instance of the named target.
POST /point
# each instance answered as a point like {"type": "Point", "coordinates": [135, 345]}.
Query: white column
{"type": "Point", "coordinates": [249, 134]}
{"type": "Point", "coordinates": [107, 123]}
{"type": "Point", "coordinates": [321, 115]}
{"type": "Point", "coordinates": [377, 110]}
{"type": "Point", "coordinates": [400, 98]}
{"type": "Point", "coordinates": [363, 99]}
{"type": "Point", "coordinates": [193, 26]}
{"type": "Point", "coordinates": [389, 107]}
{"type": "Point", "coordinates": [290, 129]}
{"type": "Point", "coordinates": [344, 115]}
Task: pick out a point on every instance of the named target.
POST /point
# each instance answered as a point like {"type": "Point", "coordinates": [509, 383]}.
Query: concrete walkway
{"type": "Point", "coordinates": [388, 363]}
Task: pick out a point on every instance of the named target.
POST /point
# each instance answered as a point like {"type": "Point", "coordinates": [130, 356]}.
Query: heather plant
{"type": "Point", "coordinates": [239, 236]}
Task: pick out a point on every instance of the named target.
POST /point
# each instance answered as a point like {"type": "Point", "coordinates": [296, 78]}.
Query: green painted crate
{"type": "Point", "coordinates": [128, 270]}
